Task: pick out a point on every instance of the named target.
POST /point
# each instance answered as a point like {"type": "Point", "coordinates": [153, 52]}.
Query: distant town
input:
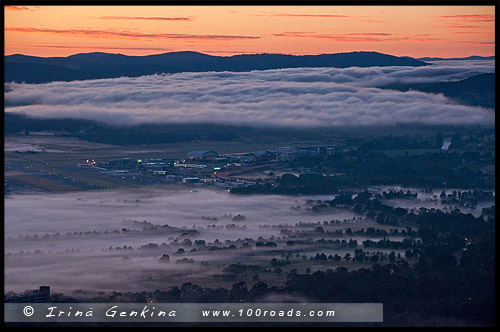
{"type": "Point", "coordinates": [211, 168]}
{"type": "Point", "coordinates": [346, 161]}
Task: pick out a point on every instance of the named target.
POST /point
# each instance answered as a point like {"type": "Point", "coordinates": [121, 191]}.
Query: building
{"type": "Point", "coordinates": [328, 149]}
{"type": "Point", "coordinates": [172, 177]}
{"type": "Point", "coordinates": [207, 155]}
{"type": "Point", "coordinates": [286, 153]}
{"type": "Point", "coordinates": [221, 160]}
{"type": "Point", "coordinates": [191, 180]}
{"type": "Point", "coordinates": [247, 159]}
{"type": "Point", "coordinates": [156, 166]}
{"type": "Point", "coordinates": [42, 295]}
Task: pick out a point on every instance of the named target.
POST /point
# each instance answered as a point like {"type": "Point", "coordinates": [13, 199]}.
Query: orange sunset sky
{"type": "Point", "coordinates": [416, 31]}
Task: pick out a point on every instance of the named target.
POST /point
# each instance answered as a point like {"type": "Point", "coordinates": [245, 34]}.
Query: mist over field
{"type": "Point", "coordinates": [78, 257]}
{"type": "Point", "coordinates": [104, 210]}
{"type": "Point", "coordinates": [102, 241]}
{"type": "Point", "coordinates": [300, 97]}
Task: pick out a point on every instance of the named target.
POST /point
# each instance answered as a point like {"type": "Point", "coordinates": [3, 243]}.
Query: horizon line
{"type": "Point", "coordinates": [238, 54]}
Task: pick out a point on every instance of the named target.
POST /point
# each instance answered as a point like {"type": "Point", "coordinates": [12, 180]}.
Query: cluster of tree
{"type": "Point", "coordinates": [266, 244]}
{"type": "Point", "coordinates": [391, 142]}
{"type": "Point", "coordinates": [436, 169]}
{"type": "Point", "coordinates": [424, 170]}
{"type": "Point", "coordinates": [431, 220]}
{"type": "Point", "coordinates": [466, 198]}
{"type": "Point", "coordinates": [337, 243]}
{"type": "Point", "coordinates": [289, 184]}
{"type": "Point", "coordinates": [374, 257]}
{"type": "Point", "coordinates": [242, 268]}
{"type": "Point", "coordinates": [488, 211]}
{"type": "Point", "coordinates": [386, 243]}
{"type": "Point", "coordinates": [400, 194]}
{"type": "Point", "coordinates": [361, 256]}
{"type": "Point", "coordinates": [376, 232]}
{"type": "Point", "coordinates": [436, 285]}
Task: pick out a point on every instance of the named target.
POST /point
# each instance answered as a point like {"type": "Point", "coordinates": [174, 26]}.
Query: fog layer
{"type": "Point", "coordinates": [288, 97]}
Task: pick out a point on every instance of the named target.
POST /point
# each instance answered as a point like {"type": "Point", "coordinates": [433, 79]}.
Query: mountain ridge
{"type": "Point", "coordinates": [29, 69]}
{"type": "Point", "coordinates": [472, 57]}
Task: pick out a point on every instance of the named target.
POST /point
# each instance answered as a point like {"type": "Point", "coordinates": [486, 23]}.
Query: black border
{"type": "Point", "coordinates": [353, 3]}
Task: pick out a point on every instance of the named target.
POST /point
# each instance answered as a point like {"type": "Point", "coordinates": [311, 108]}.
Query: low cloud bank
{"type": "Point", "coordinates": [299, 97]}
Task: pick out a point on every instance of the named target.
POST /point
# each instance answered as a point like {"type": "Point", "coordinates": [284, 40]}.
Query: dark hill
{"type": "Point", "coordinates": [478, 90]}
{"type": "Point", "coordinates": [473, 57]}
{"type": "Point", "coordinates": [29, 69]}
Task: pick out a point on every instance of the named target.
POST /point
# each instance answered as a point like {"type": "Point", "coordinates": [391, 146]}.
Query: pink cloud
{"type": "Point", "coordinates": [147, 18]}
{"type": "Point", "coordinates": [471, 18]}
{"type": "Point", "coordinates": [126, 34]}
{"type": "Point", "coordinates": [20, 8]}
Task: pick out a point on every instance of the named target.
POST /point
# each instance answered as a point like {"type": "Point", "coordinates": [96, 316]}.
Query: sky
{"type": "Point", "coordinates": [416, 31]}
